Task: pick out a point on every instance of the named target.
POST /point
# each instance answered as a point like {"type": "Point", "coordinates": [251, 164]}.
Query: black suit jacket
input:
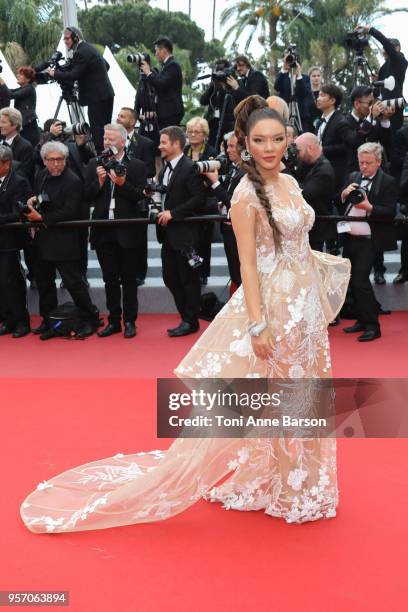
{"type": "Point", "coordinates": [23, 152]}
{"type": "Point", "coordinates": [14, 188]}
{"type": "Point", "coordinates": [302, 93]}
{"type": "Point", "coordinates": [383, 195]}
{"type": "Point", "coordinates": [399, 150]}
{"type": "Point", "coordinates": [337, 137]}
{"type": "Point", "coordinates": [185, 197]}
{"type": "Point", "coordinates": [142, 148]}
{"type": "Point", "coordinates": [256, 83]}
{"type": "Point", "coordinates": [366, 132]}
{"type": "Point", "coordinates": [91, 71]}
{"type": "Point", "coordinates": [25, 100]}
{"type": "Point", "coordinates": [168, 83]}
{"type": "Point", "coordinates": [317, 184]}
{"type": "Point", "coordinates": [66, 194]}
{"type": "Point", "coordinates": [127, 204]}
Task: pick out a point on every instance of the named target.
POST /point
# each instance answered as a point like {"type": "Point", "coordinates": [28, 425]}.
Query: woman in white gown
{"type": "Point", "coordinates": [287, 289]}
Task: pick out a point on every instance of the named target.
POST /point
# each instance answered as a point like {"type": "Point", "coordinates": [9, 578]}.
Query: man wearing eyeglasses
{"type": "Point", "coordinates": [59, 198]}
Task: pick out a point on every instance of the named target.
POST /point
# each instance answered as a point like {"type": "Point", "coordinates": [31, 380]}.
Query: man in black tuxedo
{"type": "Point", "coordinates": [251, 81]}
{"type": "Point", "coordinates": [58, 248]}
{"type": "Point", "coordinates": [333, 132]}
{"type": "Point", "coordinates": [214, 97]}
{"type": "Point", "coordinates": [302, 90]}
{"type": "Point", "coordinates": [186, 196]}
{"type": "Point", "coordinates": [395, 65]}
{"type": "Point", "coordinates": [137, 146]}
{"type": "Point", "coordinates": [11, 122]}
{"type": "Point", "coordinates": [316, 177]}
{"type": "Point", "coordinates": [117, 196]}
{"type": "Point", "coordinates": [13, 298]}
{"type": "Point", "coordinates": [95, 91]}
{"type": "Point", "coordinates": [223, 189]}
{"type": "Point", "coordinates": [362, 240]}
{"type": "Point", "coordinates": [167, 83]}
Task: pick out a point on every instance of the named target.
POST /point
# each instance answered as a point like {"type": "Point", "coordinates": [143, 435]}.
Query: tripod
{"type": "Point", "coordinates": [361, 71]}
{"type": "Point", "coordinates": [294, 114]}
{"type": "Point", "coordinates": [75, 112]}
{"type": "Point", "coordinates": [227, 99]}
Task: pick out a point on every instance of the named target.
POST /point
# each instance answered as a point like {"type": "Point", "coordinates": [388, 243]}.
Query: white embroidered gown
{"type": "Point", "coordinates": [292, 478]}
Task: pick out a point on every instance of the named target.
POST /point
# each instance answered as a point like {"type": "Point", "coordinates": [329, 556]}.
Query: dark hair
{"type": "Point", "coordinates": [294, 128]}
{"type": "Point", "coordinates": [164, 42]}
{"type": "Point", "coordinates": [175, 134]}
{"type": "Point", "coordinates": [333, 92]}
{"type": "Point", "coordinates": [361, 91]}
{"type": "Point", "coordinates": [28, 72]}
{"type": "Point", "coordinates": [242, 59]}
{"type": "Point", "coordinates": [395, 42]}
{"type": "Point", "coordinates": [223, 62]}
{"type": "Point", "coordinates": [131, 111]}
{"type": "Point", "coordinates": [247, 114]}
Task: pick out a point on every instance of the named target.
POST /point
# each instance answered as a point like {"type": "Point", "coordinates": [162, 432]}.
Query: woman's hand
{"type": "Point", "coordinates": [262, 345]}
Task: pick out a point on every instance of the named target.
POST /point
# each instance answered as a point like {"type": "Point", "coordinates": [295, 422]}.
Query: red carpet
{"type": "Point", "coordinates": [67, 402]}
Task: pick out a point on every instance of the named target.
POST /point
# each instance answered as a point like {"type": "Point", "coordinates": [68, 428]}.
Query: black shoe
{"type": "Point", "coordinates": [111, 328]}
{"type": "Point", "coordinates": [6, 329]}
{"type": "Point", "coordinates": [49, 333]}
{"type": "Point", "coordinates": [183, 329]}
{"type": "Point", "coordinates": [379, 278]}
{"type": "Point", "coordinates": [22, 329]}
{"type": "Point", "coordinates": [43, 327]}
{"type": "Point", "coordinates": [130, 329]}
{"type": "Point", "coordinates": [370, 334]}
{"type": "Point", "coordinates": [400, 278]}
{"type": "Point", "coordinates": [87, 329]}
{"type": "Point", "coordinates": [354, 329]}
{"type": "Point", "coordinates": [172, 329]}
{"type": "Point", "coordinates": [384, 311]}
{"type": "Point", "coordinates": [335, 321]}
{"type": "Point", "coordinates": [140, 282]}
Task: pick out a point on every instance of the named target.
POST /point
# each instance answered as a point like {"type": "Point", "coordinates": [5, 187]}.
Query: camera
{"type": "Point", "coordinates": [221, 75]}
{"type": "Point", "coordinates": [77, 129]}
{"type": "Point", "coordinates": [356, 196]}
{"type": "Point", "coordinates": [291, 157]}
{"type": "Point", "coordinates": [108, 161]}
{"type": "Point", "coordinates": [39, 204]}
{"type": "Point", "coordinates": [292, 57]}
{"type": "Point", "coordinates": [357, 41]}
{"type": "Point", "coordinates": [153, 200]}
{"type": "Point", "coordinates": [220, 163]}
{"type": "Point", "coordinates": [394, 103]}
{"type": "Point", "coordinates": [138, 58]}
{"type": "Point", "coordinates": [193, 258]}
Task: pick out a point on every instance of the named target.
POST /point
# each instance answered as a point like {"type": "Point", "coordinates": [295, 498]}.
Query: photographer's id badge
{"type": "Point", "coordinates": [343, 227]}
{"type": "Point", "coordinates": [217, 113]}
{"type": "Point", "coordinates": [112, 209]}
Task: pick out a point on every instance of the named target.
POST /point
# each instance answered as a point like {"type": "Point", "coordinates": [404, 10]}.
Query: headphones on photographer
{"type": "Point", "coordinates": [74, 35]}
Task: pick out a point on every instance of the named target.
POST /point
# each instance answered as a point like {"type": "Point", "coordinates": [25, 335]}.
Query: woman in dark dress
{"type": "Point", "coordinates": [25, 100]}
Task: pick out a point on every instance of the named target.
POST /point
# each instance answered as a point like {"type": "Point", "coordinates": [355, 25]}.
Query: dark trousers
{"type": "Point", "coordinates": [204, 248]}
{"type": "Point", "coordinates": [404, 255]}
{"type": "Point", "coordinates": [31, 132]}
{"type": "Point", "coordinates": [362, 253]}
{"type": "Point", "coordinates": [45, 274]}
{"type": "Point", "coordinates": [379, 262]}
{"type": "Point", "coordinates": [184, 283]}
{"type": "Point", "coordinates": [119, 268]}
{"type": "Point", "coordinates": [141, 249]}
{"type": "Point", "coordinates": [231, 251]}
{"type": "Point", "coordinates": [167, 121]}
{"type": "Point", "coordinates": [99, 114]}
{"type": "Point", "coordinates": [12, 289]}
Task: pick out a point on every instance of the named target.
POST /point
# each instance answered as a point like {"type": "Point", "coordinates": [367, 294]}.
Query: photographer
{"type": "Point", "coordinates": [291, 72]}
{"type": "Point", "coordinates": [137, 146]}
{"type": "Point", "coordinates": [88, 67]}
{"type": "Point", "coordinates": [316, 178]}
{"type": "Point", "coordinates": [371, 193]}
{"type": "Point", "coordinates": [13, 298]}
{"type": "Point", "coordinates": [315, 76]}
{"type": "Point", "coordinates": [369, 121]}
{"type": "Point", "coordinates": [251, 81]}
{"type": "Point", "coordinates": [395, 65]}
{"type": "Point", "coordinates": [25, 101]}
{"type": "Point", "coordinates": [146, 101]}
{"type": "Point", "coordinates": [11, 122]}
{"type": "Point", "coordinates": [186, 195]}
{"type": "Point", "coordinates": [168, 83]}
{"type": "Point", "coordinates": [114, 185]}
{"type": "Point", "coordinates": [59, 198]}
{"type": "Point", "coordinates": [214, 98]}
{"type": "Point", "coordinates": [223, 188]}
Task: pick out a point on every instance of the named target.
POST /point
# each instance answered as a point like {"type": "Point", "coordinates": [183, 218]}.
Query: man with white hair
{"type": "Point", "coordinates": [376, 197]}
{"type": "Point", "coordinates": [11, 122]}
{"type": "Point", "coordinates": [316, 177]}
{"type": "Point", "coordinates": [117, 194]}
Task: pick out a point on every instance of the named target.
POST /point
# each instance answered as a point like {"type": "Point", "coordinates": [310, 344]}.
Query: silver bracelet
{"type": "Point", "coordinates": [255, 329]}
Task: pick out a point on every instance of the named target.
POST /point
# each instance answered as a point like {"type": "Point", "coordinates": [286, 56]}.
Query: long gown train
{"type": "Point", "coordinates": [292, 478]}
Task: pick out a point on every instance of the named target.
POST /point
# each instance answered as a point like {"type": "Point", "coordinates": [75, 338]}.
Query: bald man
{"type": "Point", "coordinates": [316, 177]}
